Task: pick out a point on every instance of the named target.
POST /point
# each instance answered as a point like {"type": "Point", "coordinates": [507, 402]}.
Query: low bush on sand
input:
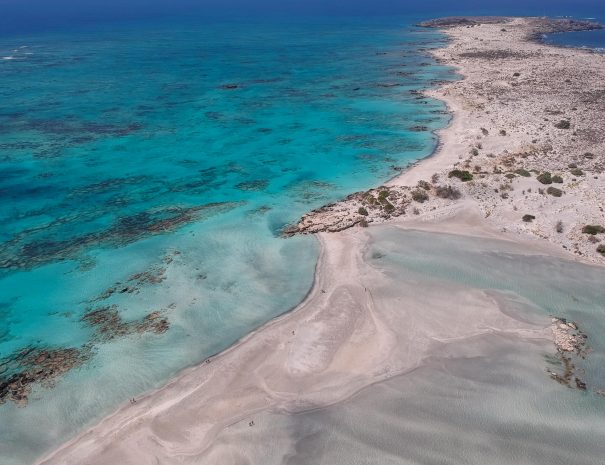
{"type": "Point", "coordinates": [447, 192]}
{"type": "Point", "coordinates": [577, 172]}
{"type": "Point", "coordinates": [420, 195]}
{"type": "Point", "coordinates": [554, 191]}
{"type": "Point", "coordinates": [558, 179]}
{"type": "Point", "coordinates": [545, 178]}
{"type": "Point", "coordinates": [462, 175]}
{"type": "Point", "coordinates": [593, 229]}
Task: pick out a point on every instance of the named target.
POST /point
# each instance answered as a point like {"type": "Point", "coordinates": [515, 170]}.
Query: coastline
{"type": "Point", "coordinates": [329, 347]}
{"type": "Point", "coordinates": [514, 95]}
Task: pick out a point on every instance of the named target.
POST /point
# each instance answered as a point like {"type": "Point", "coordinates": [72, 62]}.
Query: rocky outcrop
{"type": "Point", "coordinates": [571, 345]}
{"type": "Point", "coordinates": [459, 21]}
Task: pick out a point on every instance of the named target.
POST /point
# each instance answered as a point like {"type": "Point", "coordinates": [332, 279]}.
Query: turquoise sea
{"type": "Point", "coordinates": [146, 171]}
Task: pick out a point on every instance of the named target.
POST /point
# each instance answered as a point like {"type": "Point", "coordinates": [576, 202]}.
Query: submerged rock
{"type": "Point", "coordinates": [33, 365]}
{"type": "Point", "coordinates": [571, 345]}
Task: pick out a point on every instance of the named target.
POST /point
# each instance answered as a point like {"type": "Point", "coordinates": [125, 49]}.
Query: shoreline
{"type": "Point", "coordinates": [327, 348]}
{"type": "Point", "coordinates": [526, 141]}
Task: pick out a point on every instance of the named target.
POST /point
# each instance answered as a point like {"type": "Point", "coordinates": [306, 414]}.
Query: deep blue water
{"type": "Point", "coordinates": [587, 39]}
{"type": "Point", "coordinates": [146, 171]}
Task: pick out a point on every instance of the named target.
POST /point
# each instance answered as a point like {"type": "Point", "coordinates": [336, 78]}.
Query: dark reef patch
{"type": "Point", "coordinates": [108, 324]}
{"type": "Point", "coordinates": [36, 365]}
{"type": "Point", "coordinates": [43, 366]}
{"type": "Point", "coordinates": [257, 185]}
{"type": "Point", "coordinates": [19, 253]}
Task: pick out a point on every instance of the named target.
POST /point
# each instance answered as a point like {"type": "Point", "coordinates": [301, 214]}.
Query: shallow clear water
{"type": "Point", "coordinates": [150, 168]}
{"type": "Point", "coordinates": [483, 400]}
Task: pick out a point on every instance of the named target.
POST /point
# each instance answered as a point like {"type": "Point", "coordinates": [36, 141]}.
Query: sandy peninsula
{"type": "Point", "coordinates": [506, 132]}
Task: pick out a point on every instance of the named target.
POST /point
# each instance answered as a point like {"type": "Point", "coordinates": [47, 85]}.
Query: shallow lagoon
{"type": "Point", "coordinates": [480, 400]}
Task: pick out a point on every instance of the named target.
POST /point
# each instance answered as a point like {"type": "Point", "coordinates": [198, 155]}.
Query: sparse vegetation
{"type": "Point", "coordinates": [424, 185]}
{"type": "Point", "coordinates": [462, 175]}
{"type": "Point", "coordinates": [554, 191]}
{"type": "Point", "coordinates": [523, 172]}
{"type": "Point", "coordinates": [435, 178]}
{"type": "Point", "coordinates": [563, 124]}
{"type": "Point", "coordinates": [502, 132]}
{"type": "Point", "coordinates": [577, 172]}
{"type": "Point", "coordinates": [545, 178]}
{"type": "Point", "coordinates": [601, 249]}
{"type": "Point", "coordinates": [559, 226]}
{"type": "Point", "coordinates": [593, 229]}
{"type": "Point", "coordinates": [362, 211]}
{"type": "Point", "coordinates": [484, 131]}
{"type": "Point", "coordinates": [419, 196]}
{"type": "Point", "coordinates": [557, 179]}
{"type": "Point", "coordinates": [528, 218]}
{"type": "Point", "coordinates": [448, 192]}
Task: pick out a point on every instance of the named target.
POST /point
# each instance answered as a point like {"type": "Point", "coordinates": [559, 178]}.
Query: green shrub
{"type": "Point", "coordinates": [601, 249]}
{"type": "Point", "coordinates": [420, 196]}
{"type": "Point", "coordinates": [554, 191]}
{"type": "Point", "coordinates": [362, 211]}
{"type": "Point", "coordinates": [462, 175]}
{"type": "Point", "coordinates": [528, 218]}
{"type": "Point", "coordinates": [577, 172]}
{"type": "Point", "coordinates": [545, 178]}
{"type": "Point", "coordinates": [389, 207]}
{"type": "Point", "coordinates": [558, 179]}
{"type": "Point", "coordinates": [563, 124]}
{"type": "Point", "coordinates": [593, 229]}
{"type": "Point", "coordinates": [522, 172]}
{"type": "Point", "coordinates": [382, 195]}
